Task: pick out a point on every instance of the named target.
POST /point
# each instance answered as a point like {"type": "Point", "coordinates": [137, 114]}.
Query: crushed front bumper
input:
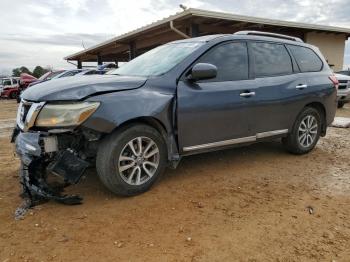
{"type": "Point", "coordinates": [41, 157]}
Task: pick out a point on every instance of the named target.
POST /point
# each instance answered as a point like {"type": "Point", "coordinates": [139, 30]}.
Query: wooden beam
{"type": "Point", "coordinates": [132, 50]}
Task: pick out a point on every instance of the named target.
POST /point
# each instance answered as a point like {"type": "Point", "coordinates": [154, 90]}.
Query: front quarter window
{"type": "Point", "coordinates": [158, 61]}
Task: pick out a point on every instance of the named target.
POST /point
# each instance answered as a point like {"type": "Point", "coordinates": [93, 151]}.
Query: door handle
{"type": "Point", "coordinates": [301, 86]}
{"type": "Point", "coordinates": [247, 94]}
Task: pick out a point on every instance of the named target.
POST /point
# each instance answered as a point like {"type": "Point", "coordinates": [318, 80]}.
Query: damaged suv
{"type": "Point", "coordinates": [182, 98]}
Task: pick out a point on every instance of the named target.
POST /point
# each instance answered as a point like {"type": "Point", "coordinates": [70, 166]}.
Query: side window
{"type": "Point", "coordinates": [14, 81]}
{"type": "Point", "coordinates": [231, 60]}
{"type": "Point", "coordinates": [271, 59]}
{"type": "Point", "coordinates": [7, 82]}
{"type": "Point", "coordinates": [306, 58]}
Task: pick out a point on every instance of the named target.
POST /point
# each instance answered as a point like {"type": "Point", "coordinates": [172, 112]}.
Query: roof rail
{"type": "Point", "coordinates": [259, 33]}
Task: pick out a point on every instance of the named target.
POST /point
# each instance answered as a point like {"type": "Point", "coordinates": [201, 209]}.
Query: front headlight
{"type": "Point", "coordinates": [63, 115]}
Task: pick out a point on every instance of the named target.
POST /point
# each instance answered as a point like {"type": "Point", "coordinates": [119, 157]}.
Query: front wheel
{"type": "Point", "coordinates": [130, 160]}
{"type": "Point", "coordinates": [305, 132]}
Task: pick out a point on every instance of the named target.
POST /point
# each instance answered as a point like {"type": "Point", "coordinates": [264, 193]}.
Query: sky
{"type": "Point", "coordinates": [42, 32]}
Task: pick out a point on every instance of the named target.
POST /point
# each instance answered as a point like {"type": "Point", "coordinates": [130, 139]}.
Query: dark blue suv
{"type": "Point", "coordinates": [185, 97]}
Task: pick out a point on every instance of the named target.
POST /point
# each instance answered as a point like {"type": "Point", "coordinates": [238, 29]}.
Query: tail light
{"type": "Point", "coordinates": [334, 81]}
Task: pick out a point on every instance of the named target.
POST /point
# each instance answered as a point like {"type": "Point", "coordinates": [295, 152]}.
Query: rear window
{"type": "Point", "coordinates": [307, 59]}
{"type": "Point", "coordinates": [271, 59]}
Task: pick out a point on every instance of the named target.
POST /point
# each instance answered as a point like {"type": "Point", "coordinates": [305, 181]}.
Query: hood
{"type": "Point", "coordinates": [79, 87]}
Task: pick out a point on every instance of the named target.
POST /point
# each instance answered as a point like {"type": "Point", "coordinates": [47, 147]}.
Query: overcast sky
{"type": "Point", "coordinates": [42, 32]}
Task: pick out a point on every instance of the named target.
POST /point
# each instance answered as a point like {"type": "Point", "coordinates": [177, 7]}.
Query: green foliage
{"type": "Point", "coordinates": [39, 71]}
{"type": "Point", "coordinates": [18, 71]}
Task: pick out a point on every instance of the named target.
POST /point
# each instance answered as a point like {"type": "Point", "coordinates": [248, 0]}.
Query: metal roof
{"type": "Point", "coordinates": [192, 12]}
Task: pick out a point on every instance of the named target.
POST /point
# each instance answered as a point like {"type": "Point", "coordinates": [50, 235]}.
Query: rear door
{"type": "Point", "coordinates": [276, 99]}
{"type": "Point", "coordinates": [216, 112]}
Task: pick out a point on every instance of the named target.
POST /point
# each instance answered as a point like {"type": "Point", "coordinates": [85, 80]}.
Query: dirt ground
{"type": "Point", "coordinates": [256, 203]}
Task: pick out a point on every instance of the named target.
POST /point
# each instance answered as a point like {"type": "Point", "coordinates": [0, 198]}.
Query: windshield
{"type": "Point", "coordinates": [157, 61]}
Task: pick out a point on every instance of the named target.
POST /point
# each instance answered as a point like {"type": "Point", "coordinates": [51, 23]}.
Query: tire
{"type": "Point", "coordinates": [13, 95]}
{"type": "Point", "coordinates": [341, 104]}
{"type": "Point", "coordinates": [133, 180]}
{"type": "Point", "coordinates": [295, 141]}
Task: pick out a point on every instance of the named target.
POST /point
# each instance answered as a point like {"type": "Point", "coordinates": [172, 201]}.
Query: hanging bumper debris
{"type": "Point", "coordinates": [42, 157]}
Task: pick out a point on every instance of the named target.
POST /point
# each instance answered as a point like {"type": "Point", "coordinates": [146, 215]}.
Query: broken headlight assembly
{"type": "Point", "coordinates": [64, 154]}
{"type": "Point", "coordinates": [65, 115]}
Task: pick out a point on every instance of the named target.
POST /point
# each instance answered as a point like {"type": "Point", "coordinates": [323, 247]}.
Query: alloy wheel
{"type": "Point", "coordinates": [138, 161]}
{"type": "Point", "coordinates": [307, 131]}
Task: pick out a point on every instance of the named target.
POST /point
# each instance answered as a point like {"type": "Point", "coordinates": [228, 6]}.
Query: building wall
{"type": "Point", "coordinates": [332, 47]}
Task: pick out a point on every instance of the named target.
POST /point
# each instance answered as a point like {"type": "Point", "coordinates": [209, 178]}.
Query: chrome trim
{"type": "Point", "coordinates": [32, 114]}
{"type": "Point", "coordinates": [236, 140]}
{"type": "Point", "coordinates": [271, 133]}
{"type": "Point", "coordinates": [221, 143]}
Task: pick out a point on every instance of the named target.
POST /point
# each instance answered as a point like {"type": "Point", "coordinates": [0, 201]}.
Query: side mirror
{"type": "Point", "coordinates": [202, 71]}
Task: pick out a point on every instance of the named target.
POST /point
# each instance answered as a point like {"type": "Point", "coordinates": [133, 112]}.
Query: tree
{"type": "Point", "coordinates": [39, 71]}
{"type": "Point", "coordinates": [18, 71]}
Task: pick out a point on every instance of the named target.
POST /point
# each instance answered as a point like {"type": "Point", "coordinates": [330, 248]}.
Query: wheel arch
{"type": "Point", "coordinates": [322, 110]}
{"type": "Point", "coordinates": [171, 144]}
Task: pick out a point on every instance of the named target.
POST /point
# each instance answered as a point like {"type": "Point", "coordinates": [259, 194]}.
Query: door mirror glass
{"type": "Point", "coordinates": [202, 71]}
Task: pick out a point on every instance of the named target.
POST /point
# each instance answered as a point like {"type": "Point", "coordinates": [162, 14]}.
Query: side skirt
{"type": "Point", "coordinates": [235, 141]}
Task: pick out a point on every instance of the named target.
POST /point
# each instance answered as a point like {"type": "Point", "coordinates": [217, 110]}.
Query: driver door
{"type": "Point", "coordinates": [217, 112]}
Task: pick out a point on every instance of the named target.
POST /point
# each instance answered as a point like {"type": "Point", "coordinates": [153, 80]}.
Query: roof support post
{"type": "Point", "coordinates": [99, 59]}
{"type": "Point", "coordinates": [132, 50]}
{"type": "Point", "coordinates": [194, 30]}
{"type": "Point", "coordinates": [79, 65]}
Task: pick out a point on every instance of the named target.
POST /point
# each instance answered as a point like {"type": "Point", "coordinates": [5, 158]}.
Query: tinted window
{"type": "Point", "coordinates": [14, 81]}
{"type": "Point", "coordinates": [271, 59]}
{"type": "Point", "coordinates": [7, 82]}
{"type": "Point", "coordinates": [307, 59]}
{"type": "Point", "coordinates": [230, 59]}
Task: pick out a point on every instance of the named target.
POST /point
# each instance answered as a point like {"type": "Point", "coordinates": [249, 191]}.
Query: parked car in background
{"type": "Point", "coordinates": [46, 77]}
{"type": "Point", "coordinates": [68, 73]}
{"type": "Point", "coordinates": [182, 98]}
{"type": "Point", "coordinates": [10, 87]}
{"type": "Point", "coordinates": [344, 72]}
{"type": "Point", "coordinates": [343, 89]}
{"type": "Point", "coordinates": [92, 72]}
{"type": "Point", "coordinates": [24, 82]}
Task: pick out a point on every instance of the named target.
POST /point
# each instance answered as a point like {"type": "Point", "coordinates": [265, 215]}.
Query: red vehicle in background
{"type": "Point", "coordinates": [9, 87]}
{"type": "Point", "coordinates": [24, 81]}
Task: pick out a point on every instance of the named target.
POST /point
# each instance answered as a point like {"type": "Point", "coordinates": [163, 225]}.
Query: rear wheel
{"type": "Point", "coordinates": [305, 133]}
{"type": "Point", "coordinates": [131, 160]}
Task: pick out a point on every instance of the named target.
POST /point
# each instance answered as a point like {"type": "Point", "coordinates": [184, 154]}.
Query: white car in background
{"type": "Point", "coordinates": [343, 89]}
